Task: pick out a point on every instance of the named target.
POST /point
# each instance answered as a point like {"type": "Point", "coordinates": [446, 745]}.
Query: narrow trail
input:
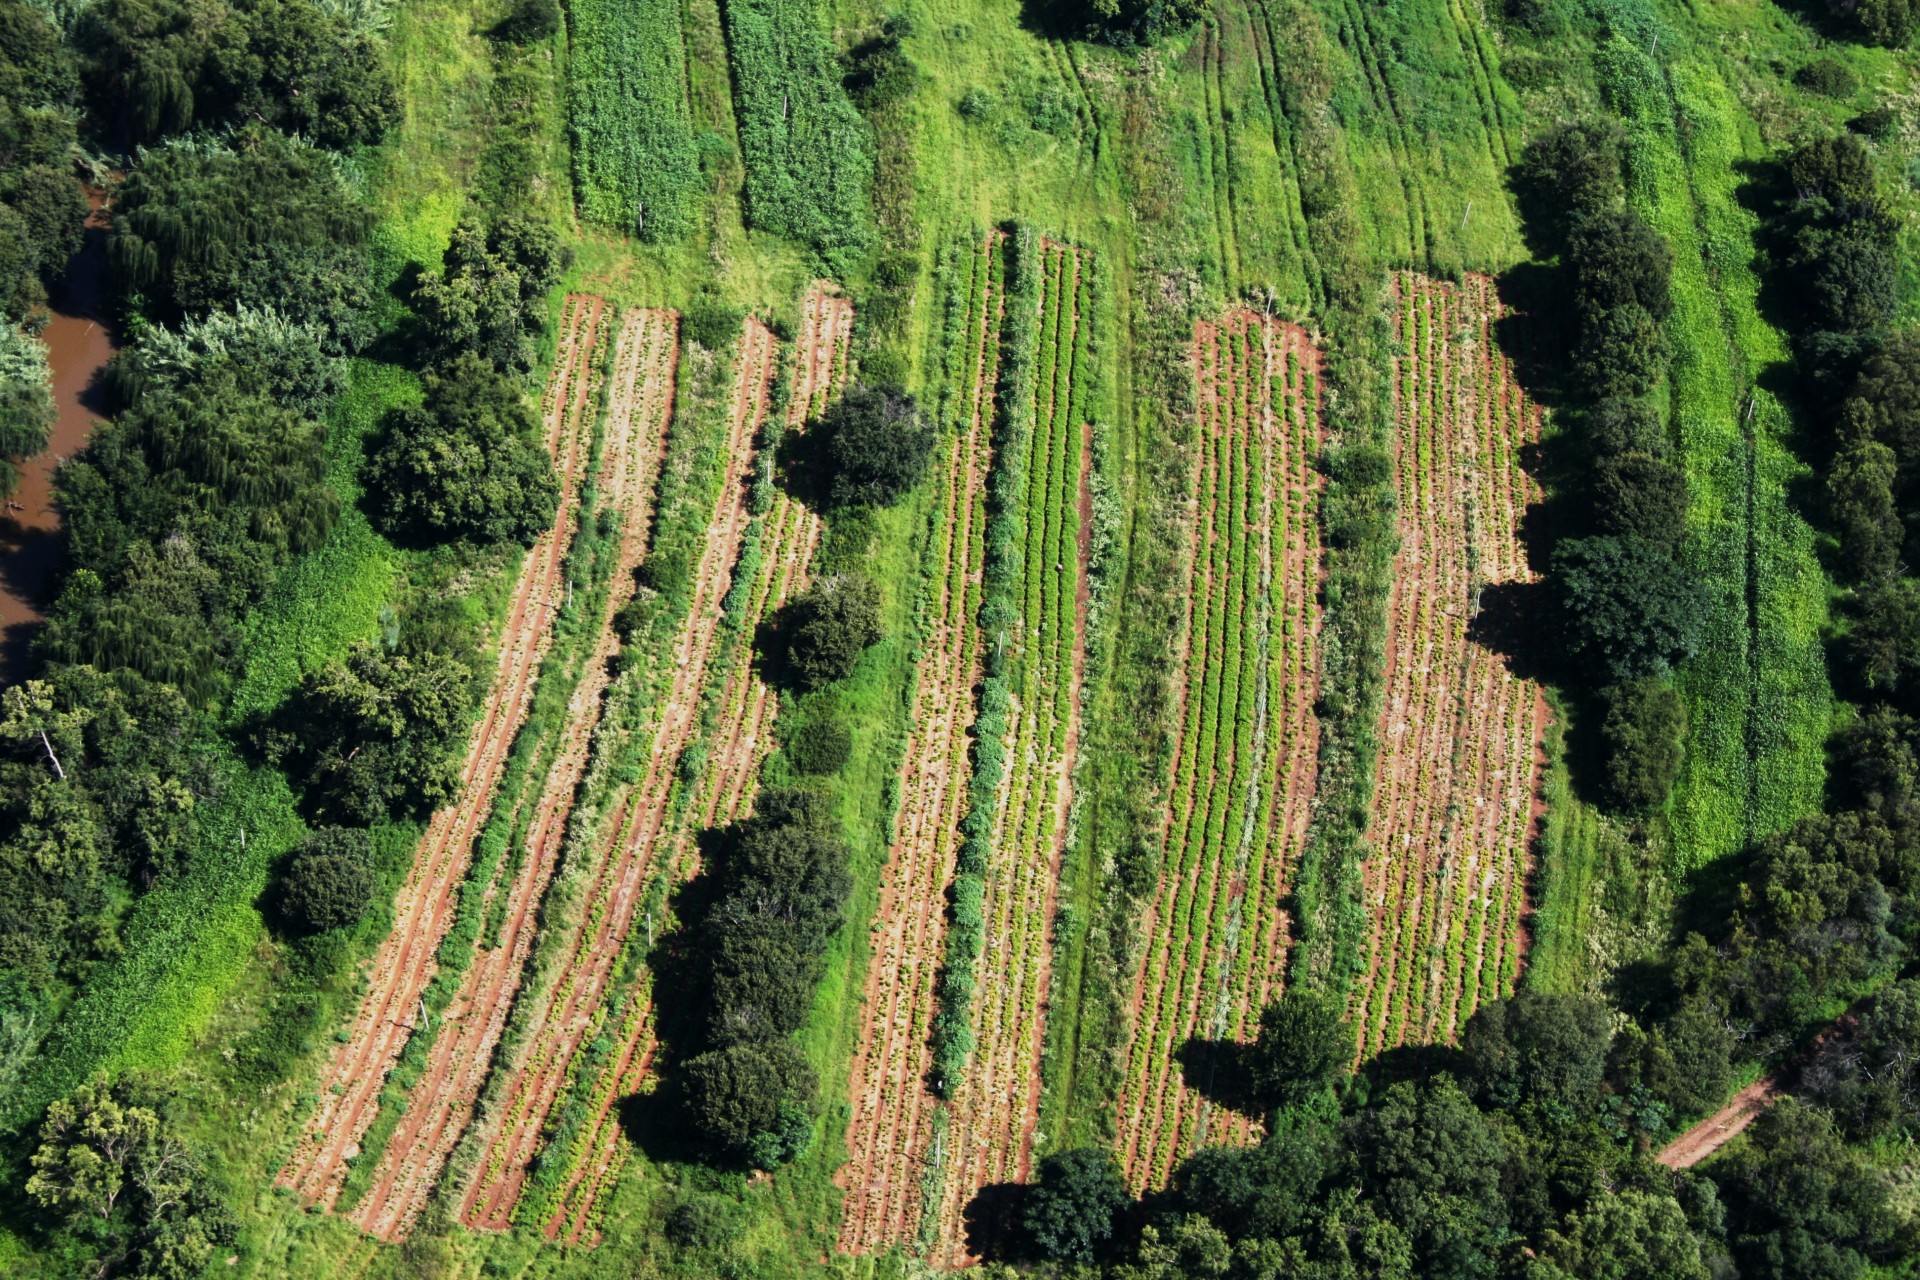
{"type": "Point", "coordinates": [891, 1106]}
{"type": "Point", "coordinates": [638, 416]}
{"type": "Point", "coordinates": [790, 534]}
{"type": "Point", "coordinates": [994, 1110]}
{"type": "Point", "coordinates": [1723, 1126]}
{"type": "Point", "coordinates": [1244, 770]}
{"type": "Point", "coordinates": [575, 1010]}
{"type": "Point", "coordinates": [423, 910]}
{"type": "Point", "coordinates": [1458, 773]}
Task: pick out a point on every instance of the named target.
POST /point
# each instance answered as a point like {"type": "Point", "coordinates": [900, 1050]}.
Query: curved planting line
{"type": "Point", "coordinates": [573, 1012]}
{"type": "Point", "coordinates": [789, 535]}
{"type": "Point", "coordinates": [405, 964]}
{"type": "Point", "coordinates": [1459, 769]}
{"type": "Point", "coordinates": [638, 415]}
{"type": "Point", "coordinates": [892, 1117]}
{"type": "Point", "coordinates": [1244, 766]}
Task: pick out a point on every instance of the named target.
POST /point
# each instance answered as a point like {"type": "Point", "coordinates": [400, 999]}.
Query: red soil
{"type": "Point", "coordinates": [1222, 909]}
{"type": "Point", "coordinates": [567, 1017]}
{"type": "Point", "coordinates": [891, 1106]}
{"type": "Point", "coordinates": [1722, 1127]}
{"type": "Point", "coordinates": [638, 415]}
{"type": "Point", "coordinates": [1460, 742]}
{"type": "Point", "coordinates": [398, 977]}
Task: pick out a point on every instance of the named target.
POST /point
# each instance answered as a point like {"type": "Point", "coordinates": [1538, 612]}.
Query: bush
{"type": "Point", "coordinates": [468, 463]}
{"type": "Point", "coordinates": [1072, 1204]}
{"type": "Point", "coordinates": [1889, 23]}
{"type": "Point", "coordinates": [704, 1221]}
{"type": "Point", "coordinates": [879, 72]}
{"type": "Point", "coordinates": [712, 323]}
{"type": "Point", "coordinates": [820, 747]}
{"type": "Point", "coordinates": [1642, 733]}
{"type": "Point", "coordinates": [827, 627]}
{"type": "Point", "coordinates": [874, 446]}
{"type": "Point", "coordinates": [1828, 77]}
{"type": "Point", "coordinates": [1125, 24]}
{"type": "Point", "coordinates": [327, 883]}
{"type": "Point", "coordinates": [528, 22]}
{"type": "Point", "coordinates": [1630, 611]}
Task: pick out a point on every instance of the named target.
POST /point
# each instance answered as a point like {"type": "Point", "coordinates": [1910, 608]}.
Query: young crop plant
{"type": "Point", "coordinates": [636, 167]}
{"type": "Point", "coordinates": [1461, 739]}
{"type": "Point", "coordinates": [1244, 764]}
{"type": "Point", "coordinates": [425, 910]}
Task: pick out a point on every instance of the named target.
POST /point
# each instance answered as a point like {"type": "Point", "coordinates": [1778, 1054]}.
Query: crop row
{"type": "Point", "coordinates": [891, 1127]}
{"type": "Point", "coordinates": [1459, 767]}
{"type": "Point", "coordinates": [636, 167]}
{"type": "Point", "coordinates": [1243, 775]}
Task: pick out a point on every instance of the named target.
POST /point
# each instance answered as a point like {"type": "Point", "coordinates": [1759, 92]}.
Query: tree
{"type": "Point", "coordinates": [373, 736]}
{"type": "Point", "coordinates": [1539, 1048]}
{"type": "Point", "coordinates": [327, 883]}
{"type": "Point", "coordinates": [1869, 1075]}
{"type": "Point", "coordinates": [490, 296]}
{"type": "Point", "coordinates": [467, 463]}
{"type": "Point", "coordinates": [1882, 635]}
{"type": "Point", "coordinates": [874, 445]}
{"type": "Point", "coordinates": [1860, 497]}
{"type": "Point", "coordinates": [1626, 424]}
{"type": "Point", "coordinates": [1888, 23]}
{"type": "Point", "coordinates": [1432, 1165]}
{"type": "Point", "coordinates": [735, 1094]}
{"type": "Point", "coordinates": [1688, 1061]}
{"type": "Point", "coordinates": [1630, 611]}
{"type": "Point", "coordinates": [1631, 1235]}
{"type": "Point", "coordinates": [26, 403]}
{"type": "Point", "coordinates": [828, 626]}
{"type": "Point", "coordinates": [1642, 736]}
{"type": "Point", "coordinates": [1304, 1046]}
{"type": "Point", "coordinates": [1569, 173]}
{"type": "Point", "coordinates": [1637, 495]}
{"type": "Point", "coordinates": [1072, 1204]}
{"type": "Point", "coordinates": [1619, 261]}
{"type": "Point", "coordinates": [1620, 354]}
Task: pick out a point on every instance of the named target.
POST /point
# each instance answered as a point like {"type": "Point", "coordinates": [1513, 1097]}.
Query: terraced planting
{"type": "Point", "coordinates": [1460, 761]}
{"type": "Point", "coordinates": [1244, 765]}
{"type": "Point", "coordinates": [779, 550]}
{"type": "Point", "coordinates": [625, 848]}
{"type": "Point", "coordinates": [398, 977]}
{"type": "Point", "coordinates": [892, 1108]}
{"type": "Point", "coordinates": [639, 409]}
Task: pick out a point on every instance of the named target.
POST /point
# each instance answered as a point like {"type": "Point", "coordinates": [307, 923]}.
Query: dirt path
{"type": "Point", "coordinates": [790, 534]}
{"type": "Point", "coordinates": [638, 416]}
{"type": "Point", "coordinates": [573, 1012]}
{"type": "Point", "coordinates": [1459, 765]}
{"type": "Point", "coordinates": [890, 1104]}
{"type": "Point", "coordinates": [423, 911]}
{"type": "Point", "coordinates": [1244, 767]}
{"type": "Point", "coordinates": [1722, 1127]}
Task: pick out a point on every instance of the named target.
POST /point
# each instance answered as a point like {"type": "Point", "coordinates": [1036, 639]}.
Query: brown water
{"type": "Point", "coordinates": [78, 342]}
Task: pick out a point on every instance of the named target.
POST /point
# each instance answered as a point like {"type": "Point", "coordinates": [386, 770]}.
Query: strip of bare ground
{"type": "Point", "coordinates": [638, 417]}
{"type": "Point", "coordinates": [745, 738]}
{"type": "Point", "coordinates": [405, 964]}
{"type": "Point", "coordinates": [889, 1102]}
{"type": "Point", "coordinates": [564, 1021]}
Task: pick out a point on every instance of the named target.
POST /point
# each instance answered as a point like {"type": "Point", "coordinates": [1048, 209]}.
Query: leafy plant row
{"type": "Point", "coordinates": [636, 165]}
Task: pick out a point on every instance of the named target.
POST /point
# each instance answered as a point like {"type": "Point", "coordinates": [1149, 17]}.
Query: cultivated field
{"type": "Point", "coordinates": [1243, 777]}
{"type": "Point", "coordinates": [639, 409]}
{"type": "Point", "coordinates": [405, 964]}
{"type": "Point", "coordinates": [571, 1014]}
{"type": "Point", "coordinates": [889, 1130]}
{"type": "Point", "coordinates": [1461, 753]}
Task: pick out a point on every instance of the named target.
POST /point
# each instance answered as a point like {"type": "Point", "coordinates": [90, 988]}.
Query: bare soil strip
{"type": "Point", "coordinates": [423, 911]}
{"type": "Point", "coordinates": [742, 743]}
{"type": "Point", "coordinates": [1244, 768]}
{"type": "Point", "coordinates": [1460, 735]}
{"type": "Point", "coordinates": [1722, 1127]}
{"type": "Point", "coordinates": [576, 1009]}
{"type": "Point", "coordinates": [991, 1123]}
{"type": "Point", "coordinates": [638, 415]}
{"type": "Point", "coordinates": [891, 1105]}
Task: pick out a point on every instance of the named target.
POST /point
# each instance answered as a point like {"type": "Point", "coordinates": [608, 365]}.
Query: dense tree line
{"type": "Point", "coordinates": [1629, 610]}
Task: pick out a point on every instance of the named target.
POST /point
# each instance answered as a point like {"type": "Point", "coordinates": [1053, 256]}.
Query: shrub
{"type": "Point", "coordinates": [1642, 733]}
{"type": "Point", "coordinates": [1630, 611]}
{"type": "Point", "coordinates": [874, 445]}
{"type": "Point", "coordinates": [1072, 1204]}
{"type": "Point", "coordinates": [528, 22]}
{"type": "Point", "coordinates": [820, 747]}
{"type": "Point", "coordinates": [327, 883]}
{"type": "Point", "coordinates": [711, 322]}
{"type": "Point", "coordinates": [1889, 23]}
{"type": "Point", "coordinates": [1828, 77]}
{"type": "Point", "coordinates": [827, 627]}
{"type": "Point", "coordinates": [467, 463]}
{"type": "Point", "coordinates": [879, 72]}
{"type": "Point", "coordinates": [704, 1221]}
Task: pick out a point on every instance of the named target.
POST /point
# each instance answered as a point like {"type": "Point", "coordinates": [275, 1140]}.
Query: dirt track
{"type": "Point", "coordinates": [576, 1009]}
{"type": "Point", "coordinates": [891, 1107]}
{"type": "Point", "coordinates": [423, 911]}
{"type": "Point", "coordinates": [638, 416]}
{"type": "Point", "coordinates": [1722, 1127]}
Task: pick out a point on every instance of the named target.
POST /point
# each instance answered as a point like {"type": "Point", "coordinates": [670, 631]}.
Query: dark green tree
{"type": "Point", "coordinates": [828, 626]}
{"type": "Point", "coordinates": [1630, 611]}
{"type": "Point", "coordinates": [489, 299]}
{"type": "Point", "coordinates": [1642, 736]}
{"type": "Point", "coordinates": [1432, 1164]}
{"type": "Point", "coordinates": [1072, 1204]}
{"type": "Point", "coordinates": [1304, 1047]}
{"type": "Point", "coordinates": [327, 882]}
{"type": "Point", "coordinates": [1569, 173]}
{"type": "Point", "coordinates": [1860, 498]}
{"type": "Point", "coordinates": [467, 463]}
{"type": "Point", "coordinates": [874, 446]}
{"type": "Point", "coordinates": [736, 1094]}
{"type": "Point", "coordinates": [1637, 495]}
{"type": "Point", "coordinates": [1538, 1048]}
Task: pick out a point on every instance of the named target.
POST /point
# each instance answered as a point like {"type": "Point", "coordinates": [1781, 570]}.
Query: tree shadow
{"type": "Point", "coordinates": [992, 1222]}
{"type": "Point", "coordinates": [1509, 623]}
{"type": "Point", "coordinates": [1221, 1071]}
{"type": "Point", "coordinates": [1536, 331]}
{"type": "Point", "coordinates": [1410, 1064]}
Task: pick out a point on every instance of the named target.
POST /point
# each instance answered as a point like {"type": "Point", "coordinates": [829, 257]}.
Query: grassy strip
{"type": "Point", "coordinates": [635, 165]}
